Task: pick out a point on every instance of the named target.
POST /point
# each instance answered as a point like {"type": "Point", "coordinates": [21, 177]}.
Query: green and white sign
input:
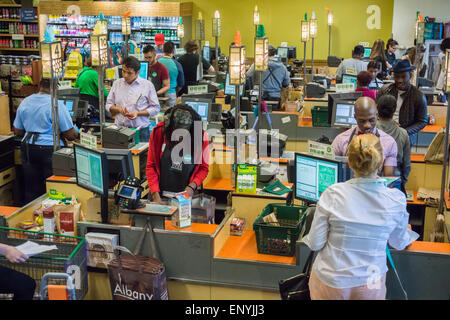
{"type": "Point", "coordinates": [320, 149]}
{"type": "Point", "coordinates": [202, 88]}
{"type": "Point", "coordinates": [88, 140]}
{"type": "Point", "coordinates": [345, 87]}
{"type": "Point", "coordinates": [246, 179]}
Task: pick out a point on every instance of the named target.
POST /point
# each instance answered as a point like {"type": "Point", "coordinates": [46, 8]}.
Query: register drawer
{"type": "Point", "coordinates": [7, 176]}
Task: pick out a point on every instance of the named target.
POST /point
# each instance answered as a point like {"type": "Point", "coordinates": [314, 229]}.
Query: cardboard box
{"type": "Point", "coordinates": [100, 247]}
{"type": "Point", "coordinates": [181, 218]}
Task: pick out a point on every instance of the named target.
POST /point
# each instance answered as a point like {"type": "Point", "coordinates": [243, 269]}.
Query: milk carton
{"type": "Point", "coordinates": [181, 218]}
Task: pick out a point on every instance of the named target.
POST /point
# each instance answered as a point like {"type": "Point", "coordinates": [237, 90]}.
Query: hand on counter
{"type": "Point", "coordinates": [156, 198]}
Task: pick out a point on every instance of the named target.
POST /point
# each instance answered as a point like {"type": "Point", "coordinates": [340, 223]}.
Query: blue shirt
{"type": "Point", "coordinates": [35, 115]}
{"type": "Point", "coordinates": [173, 72]}
{"type": "Point", "coordinates": [180, 79]}
{"type": "Point", "coordinates": [352, 225]}
{"type": "Point", "coordinates": [274, 78]}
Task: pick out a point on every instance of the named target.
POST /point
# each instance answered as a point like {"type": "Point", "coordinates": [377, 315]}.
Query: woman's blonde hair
{"type": "Point", "coordinates": [378, 50]}
{"type": "Point", "coordinates": [365, 154]}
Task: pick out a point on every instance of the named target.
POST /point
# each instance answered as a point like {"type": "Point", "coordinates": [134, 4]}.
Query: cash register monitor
{"type": "Point", "coordinates": [349, 96]}
{"type": "Point", "coordinates": [206, 53]}
{"type": "Point", "coordinates": [349, 79]}
{"type": "Point", "coordinates": [91, 169]}
{"type": "Point", "coordinates": [143, 71]}
{"type": "Point", "coordinates": [367, 52]}
{"type": "Point", "coordinates": [292, 52]}
{"type": "Point", "coordinates": [71, 105]}
{"type": "Point", "coordinates": [283, 52]}
{"type": "Point", "coordinates": [343, 113]}
{"type": "Point", "coordinates": [120, 165]}
{"type": "Point", "coordinates": [230, 90]}
{"type": "Point", "coordinates": [201, 106]}
{"type": "Point", "coordinates": [314, 175]}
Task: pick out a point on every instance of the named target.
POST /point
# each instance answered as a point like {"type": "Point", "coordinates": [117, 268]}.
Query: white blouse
{"type": "Point", "coordinates": [352, 224]}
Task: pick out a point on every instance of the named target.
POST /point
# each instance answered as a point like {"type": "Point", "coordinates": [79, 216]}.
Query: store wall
{"type": "Point", "coordinates": [281, 19]}
{"type": "Point", "coordinates": [403, 27]}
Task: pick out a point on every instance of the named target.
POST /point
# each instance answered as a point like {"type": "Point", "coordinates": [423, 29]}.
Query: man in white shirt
{"type": "Point", "coordinates": [133, 100]}
{"type": "Point", "coordinates": [352, 66]}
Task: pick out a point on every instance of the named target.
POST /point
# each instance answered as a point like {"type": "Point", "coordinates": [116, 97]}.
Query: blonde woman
{"type": "Point", "coordinates": [378, 54]}
{"type": "Point", "coordinates": [352, 225]}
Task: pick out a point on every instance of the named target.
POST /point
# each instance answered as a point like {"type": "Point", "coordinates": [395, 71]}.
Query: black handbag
{"type": "Point", "coordinates": [297, 287]}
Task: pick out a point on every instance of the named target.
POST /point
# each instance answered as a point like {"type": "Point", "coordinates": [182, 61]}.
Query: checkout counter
{"type": "Point", "coordinates": [205, 262]}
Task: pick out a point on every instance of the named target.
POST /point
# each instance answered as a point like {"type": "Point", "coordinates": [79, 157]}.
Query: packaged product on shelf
{"type": "Point", "coordinates": [237, 226]}
{"type": "Point", "coordinates": [182, 218]}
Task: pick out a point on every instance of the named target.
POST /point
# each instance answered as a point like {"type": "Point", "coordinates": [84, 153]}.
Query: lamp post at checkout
{"type": "Point", "coordinates": [180, 29]}
{"type": "Point", "coordinates": [261, 65]}
{"type": "Point", "coordinates": [99, 54]}
{"type": "Point", "coordinates": [52, 68]}
{"type": "Point", "coordinates": [330, 23]}
{"type": "Point", "coordinates": [216, 31]}
{"type": "Point", "coordinates": [236, 70]}
{"type": "Point", "coordinates": [126, 31]}
{"type": "Point", "coordinates": [256, 19]}
{"type": "Point", "coordinates": [312, 35]}
{"type": "Point", "coordinates": [305, 38]}
{"type": "Point", "coordinates": [200, 35]}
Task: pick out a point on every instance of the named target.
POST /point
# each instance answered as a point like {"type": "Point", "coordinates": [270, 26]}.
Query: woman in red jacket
{"type": "Point", "coordinates": [171, 168]}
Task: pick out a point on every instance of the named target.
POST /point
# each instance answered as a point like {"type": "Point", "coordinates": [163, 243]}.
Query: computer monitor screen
{"type": "Point", "coordinates": [282, 52]}
{"type": "Point", "coordinates": [343, 113]}
{"type": "Point", "coordinates": [367, 52]}
{"type": "Point", "coordinates": [292, 53]}
{"type": "Point", "coordinates": [120, 165]}
{"type": "Point", "coordinates": [313, 176]}
{"type": "Point", "coordinates": [206, 53]}
{"type": "Point", "coordinates": [230, 90]}
{"type": "Point", "coordinates": [201, 106]}
{"type": "Point", "coordinates": [349, 79]}
{"type": "Point", "coordinates": [71, 104]}
{"type": "Point", "coordinates": [349, 96]}
{"type": "Point", "coordinates": [143, 72]}
{"type": "Point", "coordinates": [91, 169]}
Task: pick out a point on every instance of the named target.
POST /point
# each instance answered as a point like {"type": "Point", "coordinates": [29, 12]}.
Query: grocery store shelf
{"type": "Point", "coordinates": [71, 37]}
{"type": "Point", "coordinates": [17, 20]}
{"type": "Point", "coordinates": [19, 49]}
{"type": "Point", "coordinates": [25, 35]}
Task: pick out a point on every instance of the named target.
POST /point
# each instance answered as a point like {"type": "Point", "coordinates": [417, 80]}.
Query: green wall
{"type": "Point", "coordinates": [281, 19]}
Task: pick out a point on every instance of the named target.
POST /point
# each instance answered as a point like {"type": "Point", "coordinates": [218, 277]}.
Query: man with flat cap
{"type": "Point", "coordinates": [411, 112]}
{"type": "Point", "coordinates": [274, 78]}
{"type": "Point", "coordinates": [366, 115]}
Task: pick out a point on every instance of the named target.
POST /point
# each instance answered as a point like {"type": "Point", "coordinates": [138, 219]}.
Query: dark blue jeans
{"type": "Point", "coordinates": [16, 283]}
{"type": "Point", "coordinates": [37, 167]}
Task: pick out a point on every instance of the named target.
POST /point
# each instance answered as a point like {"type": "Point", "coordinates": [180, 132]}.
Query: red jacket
{"type": "Point", "coordinates": [154, 157]}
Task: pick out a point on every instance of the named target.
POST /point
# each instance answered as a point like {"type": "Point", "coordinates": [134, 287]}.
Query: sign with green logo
{"type": "Point", "coordinates": [88, 140]}
{"type": "Point", "coordinates": [200, 89]}
{"type": "Point", "coordinates": [246, 179]}
{"type": "Point", "coordinates": [320, 149]}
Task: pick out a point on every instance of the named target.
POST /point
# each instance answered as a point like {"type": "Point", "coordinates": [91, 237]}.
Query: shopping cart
{"type": "Point", "coordinates": [57, 292]}
{"type": "Point", "coordinates": [69, 258]}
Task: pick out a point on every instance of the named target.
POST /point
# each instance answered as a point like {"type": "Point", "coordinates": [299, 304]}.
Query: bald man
{"type": "Point", "coordinates": [366, 115]}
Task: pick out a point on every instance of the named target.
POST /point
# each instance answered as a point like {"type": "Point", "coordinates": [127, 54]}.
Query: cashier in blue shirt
{"type": "Point", "coordinates": [34, 123]}
{"type": "Point", "coordinates": [274, 78]}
